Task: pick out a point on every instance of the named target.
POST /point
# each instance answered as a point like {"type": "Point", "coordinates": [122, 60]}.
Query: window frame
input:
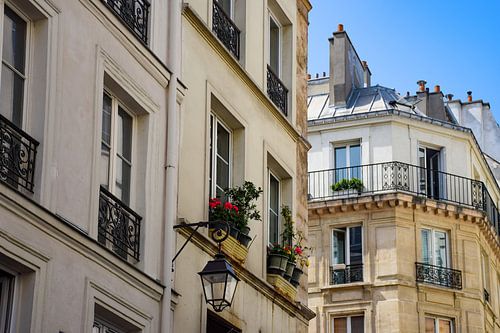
{"type": "Point", "coordinates": [27, 59]}
{"type": "Point", "coordinates": [231, 8]}
{"type": "Point", "coordinates": [347, 245]}
{"type": "Point", "coordinates": [280, 227]}
{"type": "Point", "coordinates": [278, 71]}
{"type": "Point", "coordinates": [348, 321]}
{"type": "Point", "coordinates": [433, 246]}
{"type": "Point", "coordinates": [214, 121]}
{"type": "Point", "coordinates": [485, 273]}
{"type": "Point", "coordinates": [8, 318]}
{"type": "Point", "coordinates": [116, 105]}
{"type": "Point", "coordinates": [436, 322]}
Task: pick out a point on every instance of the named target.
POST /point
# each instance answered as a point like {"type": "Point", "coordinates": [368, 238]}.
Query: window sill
{"type": "Point", "coordinates": [346, 286]}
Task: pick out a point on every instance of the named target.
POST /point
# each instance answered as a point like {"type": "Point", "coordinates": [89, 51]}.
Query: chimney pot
{"type": "Point", "coordinates": [422, 83]}
{"type": "Point", "coordinates": [324, 74]}
{"type": "Point", "coordinates": [426, 89]}
{"type": "Point", "coordinates": [450, 97]}
{"type": "Point", "coordinates": [308, 76]}
{"type": "Point", "coordinates": [469, 96]}
{"type": "Point", "coordinates": [317, 75]}
{"type": "Point", "coordinates": [437, 88]}
{"type": "Point", "coordinates": [407, 94]}
{"type": "Point", "coordinates": [340, 28]}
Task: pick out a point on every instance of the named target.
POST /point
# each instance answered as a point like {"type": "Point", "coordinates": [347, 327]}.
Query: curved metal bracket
{"type": "Point", "coordinates": [220, 234]}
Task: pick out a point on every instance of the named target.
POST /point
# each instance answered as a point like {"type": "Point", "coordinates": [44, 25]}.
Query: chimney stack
{"type": "Point", "coordinates": [340, 28]}
{"type": "Point", "coordinates": [469, 96]}
{"type": "Point", "coordinates": [421, 84]}
{"type": "Point", "coordinates": [367, 75]}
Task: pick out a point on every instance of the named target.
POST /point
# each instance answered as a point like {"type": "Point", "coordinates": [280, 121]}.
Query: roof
{"type": "Point", "coordinates": [361, 100]}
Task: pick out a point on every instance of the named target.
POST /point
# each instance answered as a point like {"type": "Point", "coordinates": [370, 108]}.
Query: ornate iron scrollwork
{"type": "Point", "coordinates": [441, 276]}
{"type": "Point", "coordinates": [351, 274]}
{"type": "Point", "coordinates": [134, 13]}
{"type": "Point", "coordinates": [225, 29]}
{"type": "Point", "coordinates": [277, 91]}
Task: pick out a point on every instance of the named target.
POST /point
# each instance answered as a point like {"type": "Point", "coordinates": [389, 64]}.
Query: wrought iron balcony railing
{"type": "Point", "coordinates": [225, 29]}
{"type": "Point", "coordinates": [118, 226]}
{"type": "Point", "coordinates": [441, 276]}
{"type": "Point", "coordinates": [277, 91]}
{"type": "Point", "coordinates": [388, 177]}
{"type": "Point", "coordinates": [134, 14]}
{"type": "Point", "coordinates": [351, 274]}
{"type": "Point", "coordinates": [17, 156]}
{"type": "Point", "coordinates": [486, 295]}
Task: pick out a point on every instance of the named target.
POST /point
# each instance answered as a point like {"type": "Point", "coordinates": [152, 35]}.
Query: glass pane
{"type": "Point", "coordinates": [106, 119]}
{"type": "Point", "coordinates": [226, 5]}
{"type": "Point", "coordinates": [273, 227]}
{"type": "Point", "coordinates": [274, 46]}
{"type": "Point", "coordinates": [440, 249]}
{"type": "Point", "coordinates": [223, 137]}
{"type": "Point", "coordinates": [211, 175]}
{"type": "Point", "coordinates": [222, 176]}
{"type": "Point", "coordinates": [429, 325]}
{"type": "Point", "coordinates": [338, 252]}
{"type": "Point", "coordinates": [355, 245]}
{"type": "Point", "coordinates": [355, 160]}
{"type": "Point", "coordinates": [14, 40]}
{"type": "Point", "coordinates": [444, 326]}
{"type": "Point", "coordinates": [124, 134]}
{"type": "Point", "coordinates": [104, 165]}
{"type": "Point", "coordinates": [357, 324]}
{"type": "Point", "coordinates": [274, 194]}
{"type": "Point", "coordinates": [340, 325]}
{"type": "Point", "coordinates": [340, 156]}
{"type": "Point", "coordinates": [123, 181]}
{"type": "Point", "coordinates": [230, 288]}
{"type": "Point", "coordinates": [426, 250]}
{"type": "Point", "coordinates": [11, 96]}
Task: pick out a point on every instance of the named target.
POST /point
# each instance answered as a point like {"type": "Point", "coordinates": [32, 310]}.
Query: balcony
{"type": "Point", "coordinates": [349, 274]}
{"type": "Point", "coordinates": [440, 276]}
{"type": "Point", "coordinates": [17, 156]}
{"type": "Point", "coordinates": [387, 177]}
{"type": "Point", "coordinates": [225, 29]}
{"type": "Point", "coordinates": [134, 14]}
{"type": "Point", "coordinates": [277, 91]}
{"type": "Point", "coordinates": [118, 226]}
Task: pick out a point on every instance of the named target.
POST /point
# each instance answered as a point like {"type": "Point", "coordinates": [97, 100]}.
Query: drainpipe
{"type": "Point", "coordinates": [171, 159]}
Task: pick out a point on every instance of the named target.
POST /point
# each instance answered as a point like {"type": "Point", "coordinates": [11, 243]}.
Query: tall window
{"type": "Point", "coordinates": [438, 325]}
{"type": "Point", "coordinates": [13, 75]}
{"type": "Point", "coordinates": [435, 247]}
{"type": "Point", "coordinates": [351, 324]}
{"type": "Point", "coordinates": [347, 255]}
{"type": "Point", "coordinates": [429, 161]}
{"type": "Point", "coordinates": [346, 160]}
{"type": "Point", "coordinates": [116, 148]}
{"type": "Point", "coordinates": [6, 295]}
{"type": "Point", "coordinates": [274, 206]}
{"type": "Point", "coordinates": [485, 268]}
{"type": "Point", "coordinates": [220, 157]}
{"type": "Point", "coordinates": [274, 46]}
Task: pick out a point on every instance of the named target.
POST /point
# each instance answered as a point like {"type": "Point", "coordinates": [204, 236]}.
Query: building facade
{"type": "Point", "coordinates": [403, 209]}
{"type": "Point", "coordinates": [243, 119]}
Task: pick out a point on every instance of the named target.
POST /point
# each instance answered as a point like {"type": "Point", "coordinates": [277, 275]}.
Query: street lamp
{"type": "Point", "coordinates": [218, 278]}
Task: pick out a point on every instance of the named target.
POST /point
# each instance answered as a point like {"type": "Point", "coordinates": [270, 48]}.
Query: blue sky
{"type": "Point", "coordinates": [453, 43]}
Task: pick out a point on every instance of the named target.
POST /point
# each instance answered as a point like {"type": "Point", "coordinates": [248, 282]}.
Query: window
{"type": "Point", "coordinates": [13, 77]}
{"type": "Point", "coordinates": [429, 161]}
{"type": "Point", "coordinates": [438, 325]}
{"type": "Point", "coordinates": [216, 324]}
{"type": "Point", "coordinates": [220, 157]}
{"type": "Point", "coordinates": [485, 268]}
{"type": "Point", "coordinates": [101, 326]}
{"type": "Point", "coordinates": [346, 159]}
{"type": "Point", "coordinates": [228, 7]}
{"type": "Point", "coordinates": [6, 295]}
{"type": "Point", "coordinates": [435, 248]}
{"type": "Point", "coordinates": [347, 255]}
{"type": "Point", "coordinates": [274, 206]}
{"type": "Point", "coordinates": [116, 148]}
{"type": "Point", "coordinates": [107, 320]}
{"type": "Point", "coordinates": [274, 46]}
{"type": "Point", "coordinates": [351, 324]}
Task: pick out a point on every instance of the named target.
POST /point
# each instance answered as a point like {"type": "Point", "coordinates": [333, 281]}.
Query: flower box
{"type": "Point", "coordinates": [233, 248]}
{"type": "Point", "coordinates": [281, 285]}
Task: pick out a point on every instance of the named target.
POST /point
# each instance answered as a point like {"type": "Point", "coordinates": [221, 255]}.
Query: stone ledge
{"type": "Point", "coordinates": [282, 286]}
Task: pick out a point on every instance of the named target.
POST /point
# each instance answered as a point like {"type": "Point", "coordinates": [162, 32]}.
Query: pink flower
{"type": "Point", "coordinates": [214, 202]}
{"type": "Point", "coordinates": [235, 208]}
{"type": "Point", "coordinates": [228, 205]}
{"type": "Point", "coordinates": [298, 250]}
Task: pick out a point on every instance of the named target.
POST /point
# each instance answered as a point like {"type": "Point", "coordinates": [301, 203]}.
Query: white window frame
{"type": "Point", "coordinates": [214, 121]}
{"type": "Point", "coordinates": [280, 227]}
{"type": "Point", "coordinates": [27, 59]}
{"type": "Point", "coordinates": [346, 145]}
{"type": "Point", "coordinates": [10, 317]}
{"type": "Point", "coordinates": [279, 70]}
{"type": "Point", "coordinates": [113, 156]}
{"type": "Point", "coordinates": [348, 321]}
{"type": "Point", "coordinates": [347, 245]}
{"type": "Point", "coordinates": [436, 322]}
{"type": "Point", "coordinates": [433, 245]}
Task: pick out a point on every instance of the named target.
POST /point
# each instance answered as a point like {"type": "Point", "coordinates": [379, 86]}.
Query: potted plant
{"type": "Point", "coordinates": [288, 235]}
{"type": "Point", "coordinates": [244, 198]}
{"type": "Point", "coordinates": [346, 185]}
{"type": "Point", "coordinates": [277, 260]}
{"type": "Point", "coordinates": [224, 212]}
{"type": "Point", "coordinates": [302, 260]}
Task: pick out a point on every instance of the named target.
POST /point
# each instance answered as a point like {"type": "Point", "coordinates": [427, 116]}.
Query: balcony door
{"type": "Point", "coordinates": [347, 255]}
{"type": "Point", "coordinates": [430, 163]}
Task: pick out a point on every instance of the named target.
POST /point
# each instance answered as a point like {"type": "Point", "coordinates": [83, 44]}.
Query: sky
{"type": "Point", "coordinates": [451, 43]}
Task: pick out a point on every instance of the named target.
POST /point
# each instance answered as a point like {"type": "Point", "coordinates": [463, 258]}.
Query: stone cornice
{"type": "Point", "coordinates": [403, 200]}
{"type": "Point", "coordinates": [197, 23]}
{"type": "Point", "coordinates": [295, 309]}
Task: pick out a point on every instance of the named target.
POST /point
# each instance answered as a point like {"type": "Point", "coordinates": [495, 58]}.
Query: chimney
{"type": "Point", "coordinates": [367, 75]}
{"type": "Point", "coordinates": [437, 88]}
{"type": "Point", "coordinates": [469, 96]}
{"type": "Point", "coordinates": [346, 70]}
{"type": "Point", "coordinates": [450, 97]}
{"type": "Point", "coordinates": [421, 84]}
{"type": "Point", "coordinates": [308, 76]}
{"type": "Point", "coordinates": [324, 74]}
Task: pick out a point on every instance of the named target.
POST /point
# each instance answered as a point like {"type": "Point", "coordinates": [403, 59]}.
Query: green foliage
{"type": "Point", "coordinates": [348, 184]}
{"type": "Point", "coordinates": [288, 234]}
{"type": "Point", "coordinates": [244, 198]}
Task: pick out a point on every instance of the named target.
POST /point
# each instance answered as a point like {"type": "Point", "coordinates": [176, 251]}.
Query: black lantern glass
{"type": "Point", "coordinates": [219, 283]}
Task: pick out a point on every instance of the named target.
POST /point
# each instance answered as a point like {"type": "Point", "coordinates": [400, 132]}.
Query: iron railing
{"type": "Point", "coordinates": [441, 276]}
{"type": "Point", "coordinates": [17, 156]}
{"type": "Point", "coordinates": [351, 274]}
{"type": "Point", "coordinates": [348, 182]}
{"type": "Point", "coordinates": [277, 91]}
{"type": "Point", "coordinates": [118, 226]}
{"type": "Point", "coordinates": [134, 14]}
{"type": "Point", "coordinates": [486, 295]}
{"type": "Point", "coordinates": [225, 29]}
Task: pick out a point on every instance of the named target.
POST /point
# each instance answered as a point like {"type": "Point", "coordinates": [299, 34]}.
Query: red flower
{"type": "Point", "coordinates": [235, 208]}
{"type": "Point", "coordinates": [214, 202]}
{"type": "Point", "coordinates": [228, 205]}
{"type": "Point", "coordinates": [298, 250]}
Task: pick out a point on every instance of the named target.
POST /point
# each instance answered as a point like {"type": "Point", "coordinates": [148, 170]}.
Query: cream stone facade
{"type": "Point", "coordinates": [244, 63]}
{"type": "Point", "coordinates": [412, 245]}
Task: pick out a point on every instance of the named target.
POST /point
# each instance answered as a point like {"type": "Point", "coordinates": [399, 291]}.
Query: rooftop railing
{"type": "Point", "coordinates": [348, 182]}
